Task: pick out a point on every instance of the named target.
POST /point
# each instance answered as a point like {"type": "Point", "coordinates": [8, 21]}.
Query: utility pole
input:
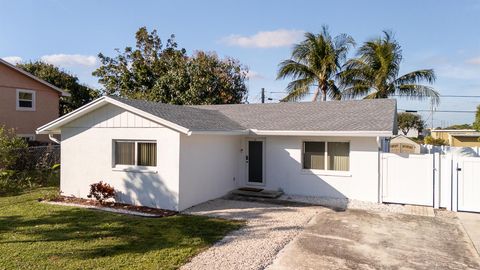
{"type": "Point", "coordinates": [263, 95]}
{"type": "Point", "coordinates": [433, 108]}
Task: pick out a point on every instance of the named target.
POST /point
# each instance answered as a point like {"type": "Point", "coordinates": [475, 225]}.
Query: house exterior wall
{"type": "Point", "coordinates": [25, 122]}
{"type": "Point", "coordinates": [87, 157]}
{"type": "Point", "coordinates": [209, 167]}
{"type": "Point", "coordinates": [284, 169]}
{"type": "Point", "coordinates": [465, 141]}
{"type": "Point", "coordinates": [440, 135]}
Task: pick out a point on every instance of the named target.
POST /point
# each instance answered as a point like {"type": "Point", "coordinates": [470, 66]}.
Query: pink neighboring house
{"type": "Point", "coordinates": [26, 102]}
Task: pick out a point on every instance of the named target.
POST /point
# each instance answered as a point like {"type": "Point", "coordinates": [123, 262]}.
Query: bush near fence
{"type": "Point", "coordinates": [29, 167]}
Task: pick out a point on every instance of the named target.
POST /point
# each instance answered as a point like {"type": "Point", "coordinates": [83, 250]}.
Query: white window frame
{"type": "Point", "coordinates": [134, 168]}
{"type": "Point", "coordinates": [34, 98]}
{"type": "Point", "coordinates": [326, 171]}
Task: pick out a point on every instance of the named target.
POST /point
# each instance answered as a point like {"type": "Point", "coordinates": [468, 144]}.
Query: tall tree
{"type": "Point", "coordinates": [408, 121]}
{"type": "Point", "coordinates": [476, 123]}
{"type": "Point", "coordinates": [374, 73]}
{"type": "Point", "coordinates": [79, 94]}
{"type": "Point", "coordinates": [315, 62]}
{"type": "Point", "coordinates": [152, 71]}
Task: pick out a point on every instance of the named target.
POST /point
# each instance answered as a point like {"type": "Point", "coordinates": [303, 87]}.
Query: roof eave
{"type": "Point", "coordinates": [332, 133]}
{"type": "Point", "coordinates": [55, 125]}
{"type": "Point", "coordinates": [219, 132]}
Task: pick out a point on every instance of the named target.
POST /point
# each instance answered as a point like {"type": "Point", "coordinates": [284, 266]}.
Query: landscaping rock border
{"type": "Point", "coordinates": [113, 207]}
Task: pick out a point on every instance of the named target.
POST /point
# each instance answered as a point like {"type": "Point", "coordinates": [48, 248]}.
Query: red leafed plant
{"type": "Point", "coordinates": [101, 191]}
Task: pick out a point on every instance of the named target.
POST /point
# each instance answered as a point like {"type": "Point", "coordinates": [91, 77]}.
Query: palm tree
{"type": "Point", "coordinates": [315, 62]}
{"type": "Point", "coordinates": [374, 74]}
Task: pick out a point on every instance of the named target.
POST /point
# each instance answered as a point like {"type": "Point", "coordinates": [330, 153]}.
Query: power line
{"type": "Point", "coordinates": [435, 111]}
{"type": "Point", "coordinates": [442, 96]}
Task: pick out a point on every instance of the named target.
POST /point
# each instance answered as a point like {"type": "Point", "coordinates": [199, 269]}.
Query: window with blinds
{"type": "Point", "coordinates": [146, 154]}
{"type": "Point", "coordinates": [314, 155]}
{"type": "Point", "coordinates": [333, 156]}
{"type": "Point", "coordinates": [140, 153]}
{"type": "Point", "coordinates": [124, 153]}
{"type": "Point", "coordinates": [338, 156]}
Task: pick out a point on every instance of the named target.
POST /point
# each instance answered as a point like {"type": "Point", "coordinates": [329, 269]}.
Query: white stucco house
{"type": "Point", "coordinates": [174, 157]}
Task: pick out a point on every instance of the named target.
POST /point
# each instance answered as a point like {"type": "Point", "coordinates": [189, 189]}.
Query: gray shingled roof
{"type": "Point", "coordinates": [349, 115]}
{"type": "Point", "coordinates": [185, 116]}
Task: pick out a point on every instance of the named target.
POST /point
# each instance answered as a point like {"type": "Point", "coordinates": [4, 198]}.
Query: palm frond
{"type": "Point", "coordinates": [374, 73]}
{"type": "Point", "coordinates": [318, 58]}
{"type": "Point", "coordinates": [355, 91]}
{"type": "Point", "coordinates": [334, 92]}
{"type": "Point", "coordinates": [291, 68]}
{"type": "Point", "coordinates": [415, 77]}
{"type": "Point", "coordinates": [418, 92]}
{"type": "Point", "coordinates": [298, 89]}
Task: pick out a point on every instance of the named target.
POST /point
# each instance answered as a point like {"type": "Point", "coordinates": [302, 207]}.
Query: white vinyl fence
{"type": "Point", "coordinates": [447, 181]}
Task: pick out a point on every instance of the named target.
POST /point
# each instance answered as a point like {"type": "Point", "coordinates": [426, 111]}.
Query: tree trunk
{"type": "Point", "coordinates": [315, 94]}
{"type": "Point", "coordinates": [324, 92]}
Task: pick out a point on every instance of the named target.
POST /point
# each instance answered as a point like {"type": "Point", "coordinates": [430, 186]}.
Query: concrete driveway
{"type": "Point", "coordinates": [359, 239]}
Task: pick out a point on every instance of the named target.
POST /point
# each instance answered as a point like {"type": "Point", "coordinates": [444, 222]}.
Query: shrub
{"type": "Point", "coordinates": [21, 167]}
{"type": "Point", "coordinates": [11, 148]}
{"type": "Point", "coordinates": [101, 191]}
{"type": "Point", "coordinates": [433, 141]}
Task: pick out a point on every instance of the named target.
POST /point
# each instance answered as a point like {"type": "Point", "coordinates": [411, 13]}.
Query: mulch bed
{"type": "Point", "coordinates": [122, 206]}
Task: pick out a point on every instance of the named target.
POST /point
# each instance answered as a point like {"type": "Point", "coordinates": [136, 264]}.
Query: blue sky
{"type": "Point", "coordinates": [443, 35]}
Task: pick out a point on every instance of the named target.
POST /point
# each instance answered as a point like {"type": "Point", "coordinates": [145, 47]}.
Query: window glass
{"type": "Point", "coordinates": [25, 99]}
{"type": "Point", "coordinates": [125, 153]}
{"type": "Point", "coordinates": [338, 156]}
{"type": "Point", "coordinates": [314, 155]}
{"type": "Point", "coordinates": [25, 96]}
{"type": "Point", "coordinates": [147, 154]}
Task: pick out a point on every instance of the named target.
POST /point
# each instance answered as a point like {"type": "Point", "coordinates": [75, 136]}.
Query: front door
{"type": "Point", "coordinates": [255, 162]}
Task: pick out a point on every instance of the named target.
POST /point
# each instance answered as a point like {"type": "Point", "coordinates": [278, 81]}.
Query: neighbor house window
{"type": "Point", "coordinates": [25, 100]}
{"type": "Point", "coordinates": [333, 156]}
{"type": "Point", "coordinates": [139, 153]}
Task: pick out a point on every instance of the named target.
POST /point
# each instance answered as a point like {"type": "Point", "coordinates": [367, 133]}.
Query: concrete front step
{"type": "Point", "coordinates": [261, 193]}
{"type": "Point", "coordinates": [419, 210]}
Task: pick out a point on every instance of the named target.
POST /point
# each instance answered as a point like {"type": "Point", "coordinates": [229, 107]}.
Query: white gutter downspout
{"type": "Point", "coordinates": [53, 139]}
{"type": "Point", "coordinates": [379, 157]}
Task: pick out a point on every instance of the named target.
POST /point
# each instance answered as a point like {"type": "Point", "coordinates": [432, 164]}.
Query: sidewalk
{"type": "Point", "coordinates": [471, 224]}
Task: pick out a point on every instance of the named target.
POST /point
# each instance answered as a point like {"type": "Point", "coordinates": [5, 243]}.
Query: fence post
{"type": "Point", "coordinates": [436, 180]}
{"type": "Point", "coordinates": [454, 191]}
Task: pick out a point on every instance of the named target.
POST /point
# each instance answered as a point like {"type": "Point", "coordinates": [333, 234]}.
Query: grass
{"type": "Point", "coordinates": [34, 235]}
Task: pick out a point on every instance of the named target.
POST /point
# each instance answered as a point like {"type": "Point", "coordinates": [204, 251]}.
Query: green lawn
{"type": "Point", "coordinates": [35, 235]}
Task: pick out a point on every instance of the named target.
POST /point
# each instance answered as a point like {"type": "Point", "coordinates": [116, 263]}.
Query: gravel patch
{"type": "Point", "coordinates": [268, 229]}
{"type": "Point", "coordinates": [346, 203]}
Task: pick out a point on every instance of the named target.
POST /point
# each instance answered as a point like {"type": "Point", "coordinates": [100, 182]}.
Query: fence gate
{"type": "Point", "coordinates": [407, 179]}
{"type": "Point", "coordinates": [468, 173]}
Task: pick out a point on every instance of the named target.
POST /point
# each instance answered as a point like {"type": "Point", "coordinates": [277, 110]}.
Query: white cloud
{"type": "Point", "coordinates": [447, 67]}
{"type": "Point", "coordinates": [252, 75]}
{"type": "Point", "coordinates": [13, 59]}
{"type": "Point", "coordinates": [456, 71]}
{"type": "Point", "coordinates": [70, 60]}
{"type": "Point", "coordinates": [474, 61]}
{"type": "Point", "coordinates": [265, 39]}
